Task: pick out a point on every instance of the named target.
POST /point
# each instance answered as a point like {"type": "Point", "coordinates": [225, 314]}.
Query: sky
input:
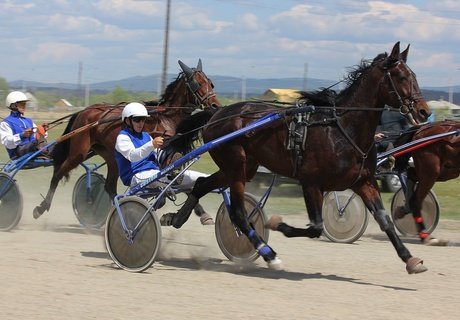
{"type": "Point", "coordinates": [47, 40]}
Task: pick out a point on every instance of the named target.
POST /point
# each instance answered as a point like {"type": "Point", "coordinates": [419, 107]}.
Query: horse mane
{"type": "Point", "coordinates": [355, 74]}
{"type": "Point", "coordinates": [169, 90]}
{"type": "Point", "coordinates": [321, 97]}
{"type": "Point", "coordinates": [188, 131]}
{"type": "Point", "coordinates": [328, 97]}
{"type": "Point", "coordinates": [151, 103]}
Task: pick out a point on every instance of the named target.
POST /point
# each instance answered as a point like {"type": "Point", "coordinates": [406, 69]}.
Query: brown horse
{"type": "Point", "coordinates": [191, 90]}
{"type": "Point", "coordinates": [435, 160]}
{"type": "Point", "coordinates": [339, 150]}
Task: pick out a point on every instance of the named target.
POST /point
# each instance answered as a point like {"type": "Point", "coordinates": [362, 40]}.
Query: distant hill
{"type": "Point", "coordinates": [224, 85]}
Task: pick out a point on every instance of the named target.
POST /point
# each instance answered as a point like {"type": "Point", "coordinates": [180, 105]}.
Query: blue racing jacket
{"type": "Point", "coordinates": [128, 169]}
{"type": "Point", "coordinates": [18, 123]}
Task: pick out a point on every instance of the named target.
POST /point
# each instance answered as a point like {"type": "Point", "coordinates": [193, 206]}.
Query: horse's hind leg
{"type": "Point", "coordinates": [313, 198]}
{"type": "Point", "coordinates": [58, 174]}
{"type": "Point", "coordinates": [368, 191]}
{"type": "Point", "coordinates": [112, 176]}
{"type": "Point", "coordinates": [46, 203]}
{"type": "Point", "coordinates": [416, 203]}
{"type": "Point", "coordinates": [205, 218]}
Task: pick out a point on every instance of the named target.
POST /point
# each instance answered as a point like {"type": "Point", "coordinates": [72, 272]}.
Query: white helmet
{"type": "Point", "coordinates": [15, 96]}
{"type": "Point", "coordinates": [134, 109]}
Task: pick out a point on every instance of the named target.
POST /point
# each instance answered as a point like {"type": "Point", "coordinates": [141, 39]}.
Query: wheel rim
{"type": "Point", "coordinates": [140, 254]}
{"type": "Point", "coordinates": [430, 214]}
{"type": "Point", "coordinates": [91, 208]}
{"type": "Point", "coordinates": [346, 226]}
{"type": "Point", "coordinates": [10, 203]}
{"type": "Point", "coordinates": [239, 248]}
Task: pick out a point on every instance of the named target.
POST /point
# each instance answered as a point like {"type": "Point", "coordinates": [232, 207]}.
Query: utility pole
{"type": "Point", "coordinates": [79, 89]}
{"type": "Point", "coordinates": [165, 52]}
{"type": "Point", "coordinates": [305, 73]}
{"type": "Point", "coordinates": [243, 88]}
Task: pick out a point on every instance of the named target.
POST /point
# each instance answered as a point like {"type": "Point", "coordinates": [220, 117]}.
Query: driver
{"type": "Point", "coordinates": [17, 131]}
{"type": "Point", "coordinates": [136, 153]}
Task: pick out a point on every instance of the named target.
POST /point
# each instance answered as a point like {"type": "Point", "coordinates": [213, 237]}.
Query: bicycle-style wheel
{"type": "Point", "coordinates": [406, 225]}
{"type": "Point", "coordinates": [91, 205]}
{"type": "Point", "coordinates": [345, 216]}
{"type": "Point", "coordinates": [134, 253]}
{"type": "Point", "coordinates": [10, 203]}
{"type": "Point", "coordinates": [234, 245]}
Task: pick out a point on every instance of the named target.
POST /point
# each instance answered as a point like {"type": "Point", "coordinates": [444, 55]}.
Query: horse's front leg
{"type": "Point", "coordinates": [203, 186]}
{"type": "Point", "coordinates": [313, 198]}
{"type": "Point", "coordinates": [369, 193]}
{"type": "Point", "coordinates": [239, 218]}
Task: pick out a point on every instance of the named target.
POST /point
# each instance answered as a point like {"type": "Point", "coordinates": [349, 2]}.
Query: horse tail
{"type": "Point", "coordinates": [60, 151]}
{"type": "Point", "coordinates": [187, 132]}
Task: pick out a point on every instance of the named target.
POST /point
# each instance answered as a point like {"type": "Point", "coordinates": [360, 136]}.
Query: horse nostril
{"type": "Point", "coordinates": [424, 114]}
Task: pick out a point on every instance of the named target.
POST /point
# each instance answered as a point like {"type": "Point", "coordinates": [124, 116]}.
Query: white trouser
{"type": "Point", "coordinates": [188, 181]}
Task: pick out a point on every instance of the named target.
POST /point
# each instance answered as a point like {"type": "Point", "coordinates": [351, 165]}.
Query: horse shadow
{"type": "Point", "coordinates": [249, 269]}
{"type": "Point", "coordinates": [405, 239]}
{"type": "Point", "coordinates": [255, 271]}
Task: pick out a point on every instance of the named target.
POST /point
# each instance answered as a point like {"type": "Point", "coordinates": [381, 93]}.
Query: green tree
{"type": "Point", "coordinates": [4, 90]}
{"type": "Point", "coordinates": [120, 95]}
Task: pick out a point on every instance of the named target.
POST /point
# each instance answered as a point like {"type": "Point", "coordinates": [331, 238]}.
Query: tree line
{"type": "Point", "coordinates": [48, 97]}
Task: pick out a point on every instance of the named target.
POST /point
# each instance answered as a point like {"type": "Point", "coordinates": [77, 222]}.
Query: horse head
{"type": "Point", "coordinates": [201, 88]}
{"type": "Point", "coordinates": [400, 87]}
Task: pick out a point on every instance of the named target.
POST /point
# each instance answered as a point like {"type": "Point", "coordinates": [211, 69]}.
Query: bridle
{"type": "Point", "coordinates": [406, 104]}
{"type": "Point", "coordinates": [201, 100]}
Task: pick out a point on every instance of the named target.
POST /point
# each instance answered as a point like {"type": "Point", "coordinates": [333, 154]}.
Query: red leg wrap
{"type": "Point", "coordinates": [423, 235]}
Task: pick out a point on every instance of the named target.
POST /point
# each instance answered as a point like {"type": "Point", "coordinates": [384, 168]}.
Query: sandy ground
{"type": "Point", "coordinates": [52, 268]}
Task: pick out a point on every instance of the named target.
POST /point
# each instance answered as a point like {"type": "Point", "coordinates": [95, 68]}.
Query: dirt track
{"type": "Point", "coordinates": [52, 268]}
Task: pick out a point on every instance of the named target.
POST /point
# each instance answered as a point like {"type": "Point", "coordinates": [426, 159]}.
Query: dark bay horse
{"type": "Point", "coordinates": [436, 160]}
{"type": "Point", "coordinates": [191, 90]}
{"type": "Point", "coordinates": [339, 150]}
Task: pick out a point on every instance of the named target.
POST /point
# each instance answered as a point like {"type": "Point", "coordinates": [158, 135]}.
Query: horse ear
{"type": "Point", "coordinates": [395, 52]}
{"type": "Point", "coordinates": [187, 70]}
{"type": "Point", "coordinates": [199, 67]}
{"type": "Point", "coordinates": [405, 53]}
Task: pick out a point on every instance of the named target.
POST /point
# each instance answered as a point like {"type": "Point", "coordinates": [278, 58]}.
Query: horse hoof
{"type": "Point", "coordinates": [415, 265]}
{"type": "Point", "coordinates": [314, 231]}
{"type": "Point", "coordinates": [206, 219]}
{"type": "Point", "coordinates": [435, 242]}
{"type": "Point", "coordinates": [273, 223]}
{"type": "Point", "coordinates": [166, 219]}
{"type": "Point", "coordinates": [37, 213]}
{"type": "Point", "coordinates": [275, 264]}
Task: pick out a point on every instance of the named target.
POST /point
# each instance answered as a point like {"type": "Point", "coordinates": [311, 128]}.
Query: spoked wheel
{"type": "Point", "coordinates": [406, 225]}
{"type": "Point", "coordinates": [136, 251]}
{"type": "Point", "coordinates": [92, 204]}
{"type": "Point", "coordinates": [345, 216]}
{"type": "Point", "coordinates": [235, 245]}
{"type": "Point", "coordinates": [10, 203]}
